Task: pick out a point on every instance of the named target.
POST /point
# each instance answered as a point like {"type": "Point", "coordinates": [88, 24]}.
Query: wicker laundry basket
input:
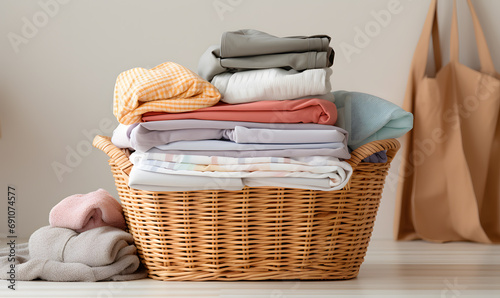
{"type": "Point", "coordinates": [258, 233]}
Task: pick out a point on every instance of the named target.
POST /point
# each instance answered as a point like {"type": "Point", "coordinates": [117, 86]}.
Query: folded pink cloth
{"type": "Point", "coordinates": [309, 110]}
{"type": "Point", "coordinates": [82, 212]}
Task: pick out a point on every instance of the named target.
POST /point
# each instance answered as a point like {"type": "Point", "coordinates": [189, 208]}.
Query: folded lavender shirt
{"type": "Point", "coordinates": [150, 134]}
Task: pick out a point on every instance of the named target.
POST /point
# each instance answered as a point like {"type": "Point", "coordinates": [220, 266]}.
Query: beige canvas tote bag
{"type": "Point", "coordinates": [450, 175]}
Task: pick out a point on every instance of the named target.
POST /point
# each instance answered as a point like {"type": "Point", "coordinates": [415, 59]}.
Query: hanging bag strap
{"type": "Point", "coordinates": [454, 45]}
{"type": "Point", "coordinates": [421, 51]}
{"type": "Point", "coordinates": [436, 44]}
{"type": "Point", "coordinates": [487, 65]}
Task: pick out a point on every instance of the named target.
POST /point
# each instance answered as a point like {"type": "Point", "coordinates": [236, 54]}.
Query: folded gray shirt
{"type": "Point", "coordinates": [250, 42]}
{"type": "Point", "coordinates": [212, 64]}
{"type": "Point", "coordinates": [96, 247]}
{"type": "Point", "coordinates": [252, 49]}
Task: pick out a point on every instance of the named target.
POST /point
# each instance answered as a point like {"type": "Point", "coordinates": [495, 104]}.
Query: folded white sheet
{"type": "Point", "coordinates": [272, 84]}
{"type": "Point", "coordinates": [151, 181]}
{"type": "Point", "coordinates": [337, 176]}
{"type": "Point", "coordinates": [323, 184]}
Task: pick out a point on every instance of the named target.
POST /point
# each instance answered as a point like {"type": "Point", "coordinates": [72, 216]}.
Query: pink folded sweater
{"type": "Point", "coordinates": [309, 110]}
{"type": "Point", "coordinates": [82, 212]}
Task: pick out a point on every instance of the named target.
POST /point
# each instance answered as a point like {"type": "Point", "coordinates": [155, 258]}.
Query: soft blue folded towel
{"type": "Point", "coordinates": [368, 118]}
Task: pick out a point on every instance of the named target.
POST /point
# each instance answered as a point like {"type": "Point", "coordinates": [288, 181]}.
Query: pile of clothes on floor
{"type": "Point", "coordinates": [86, 241]}
{"type": "Point", "coordinates": [258, 112]}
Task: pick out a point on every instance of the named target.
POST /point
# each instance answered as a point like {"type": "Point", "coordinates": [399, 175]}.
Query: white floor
{"type": "Point", "coordinates": [397, 269]}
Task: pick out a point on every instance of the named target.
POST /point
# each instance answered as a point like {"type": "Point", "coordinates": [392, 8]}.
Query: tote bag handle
{"type": "Point", "coordinates": [419, 62]}
{"type": "Point", "coordinates": [487, 65]}
{"type": "Point", "coordinates": [430, 27]}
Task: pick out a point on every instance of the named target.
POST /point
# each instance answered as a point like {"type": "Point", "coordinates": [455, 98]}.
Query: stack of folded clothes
{"type": "Point", "coordinates": [260, 113]}
{"type": "Point", "coordinates": [85, 241]}
{"type": "Point", "coordinates": [250, 65]}
{"type": "Point", "coordinates": [256, 115]}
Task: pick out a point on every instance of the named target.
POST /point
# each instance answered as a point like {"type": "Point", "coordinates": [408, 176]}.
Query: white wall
{"type": "Point", "coordinates": [56, 85]}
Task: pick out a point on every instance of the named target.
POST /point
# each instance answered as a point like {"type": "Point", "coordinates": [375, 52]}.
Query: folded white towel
{"type": "Point", "coordinates": [272, 84]}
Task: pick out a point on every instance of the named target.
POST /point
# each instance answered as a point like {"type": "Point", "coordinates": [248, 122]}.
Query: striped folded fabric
{"type": "Point", "coordinates": [314, 167]}
{"type": "Point", "coordinates": [168, 87]}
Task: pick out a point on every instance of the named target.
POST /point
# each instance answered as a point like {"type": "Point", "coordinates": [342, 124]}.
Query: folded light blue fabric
{"type": "Point", "coordinates": [368, 118]}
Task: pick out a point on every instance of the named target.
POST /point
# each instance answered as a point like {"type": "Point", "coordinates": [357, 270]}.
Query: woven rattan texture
{"type": "Point", "coordinates": [256, 233]}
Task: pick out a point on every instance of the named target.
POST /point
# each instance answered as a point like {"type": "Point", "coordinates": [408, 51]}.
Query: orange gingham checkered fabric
{"type": "Point", "coordinates": [168, 87]}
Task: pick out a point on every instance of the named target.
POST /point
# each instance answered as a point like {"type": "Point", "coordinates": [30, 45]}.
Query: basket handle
{"type": "Point", "coordinates": [391, 145]}
{"type": "Point", "coordinates": [116, 154]}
